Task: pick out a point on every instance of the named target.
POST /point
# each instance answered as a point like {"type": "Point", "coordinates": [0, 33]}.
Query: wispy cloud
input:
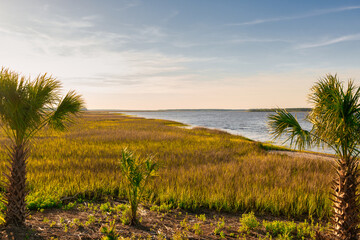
{"type": "Point", "coordinates": [305, 15]}
{"type": "Point", "coordinates": [129, 4]}
{"type": "Point", "coordinates": [64, 35]}
{"type": "Point", "coordinates": [63, 21]}
{"type": "Point", "coordinates": [85, 56]}
{"type": "Point", "coordinates": [235, 40]}
{"type": "Point", "coordinates": [172, 15]}
{"type": "Point", "coordinates": [346, 38]}
{"type": "Point", "coordinates": [257, 40]}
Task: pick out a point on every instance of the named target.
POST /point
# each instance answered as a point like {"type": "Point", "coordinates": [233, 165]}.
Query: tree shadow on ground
{"type": "Point", "coordinates": [19, 233]}
{"type": "Point", "coordinates": [142, 227]}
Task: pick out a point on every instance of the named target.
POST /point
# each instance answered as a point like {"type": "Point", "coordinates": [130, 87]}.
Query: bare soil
{"type": "Point", "coordinates": [172, 224]}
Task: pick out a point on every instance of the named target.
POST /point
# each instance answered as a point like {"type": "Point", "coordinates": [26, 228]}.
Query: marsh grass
{"type": "Point", "coordinates": [199, 168]}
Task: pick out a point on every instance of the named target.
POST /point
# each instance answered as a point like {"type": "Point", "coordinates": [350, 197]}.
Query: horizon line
{"type": "Point", "coordinates": [194, 109]}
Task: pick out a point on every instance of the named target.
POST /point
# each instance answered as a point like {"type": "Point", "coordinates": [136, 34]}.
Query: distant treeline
{"type": "Point", "coordinates": [274, 110]}
{"type": "Point", "coordinates": [188, 110]}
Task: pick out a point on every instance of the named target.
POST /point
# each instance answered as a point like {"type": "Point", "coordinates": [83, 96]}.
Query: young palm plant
{"type": "Point", "coordinates": [336, 123]}
{"type": "Point", "coordinates": [137, 172]}
{"type": "Point", "coordinates": [26, 107]}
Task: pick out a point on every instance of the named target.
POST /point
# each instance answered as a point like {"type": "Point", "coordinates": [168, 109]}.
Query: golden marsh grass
{"type": "Point", "coordinates": [200, 168]}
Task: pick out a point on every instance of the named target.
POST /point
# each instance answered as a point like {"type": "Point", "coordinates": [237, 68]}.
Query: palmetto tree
{"type": "Point", "coordinates": [336, 123]}
{"type": "Point", "coordinates": [26, 107]}
{"type": "Point", "coordinates": [137, 172]}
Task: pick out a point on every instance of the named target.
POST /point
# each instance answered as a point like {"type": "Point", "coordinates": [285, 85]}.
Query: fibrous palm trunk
{"type": "Point", "coordinates": [345, 201]}
{"type": "Point", "coordinates": [16, 185]}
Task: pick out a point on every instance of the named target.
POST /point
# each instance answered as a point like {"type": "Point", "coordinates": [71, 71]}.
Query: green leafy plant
{"type": "Point", "coordinates": [185, 224]}
{"type": "Point", "coordinates": [248, 222]}
{"type": "Point", "coordinates": [91, 219]}
{"type": "Point", "coordinates": [109, 231]}
{"type": "Point", "coordinates": [305, 230]}
{"type": "Point", "coordinates": [219, 226]}
{"type": "Point", "coordinates": [70, 206]}
{"type": "Point", "coordinates": [106, 207]}
{"type": "Point", "coordinates": [52, 224]}
{"type": "Point", "coordinates": [164, 208]}
{"type": "Point", "coordinates": [120, 207]}
{"type": "Point", "coordinates": [137, 172]}
{"type": "Point", "coordinates": [76, 221]}
{"type": "Point", "coordinates": [280, 228]}
{"type": "Point", "coordinates": [125, 217]}
{"type": "Point", "coordinates": [197, 228]}
{"type": "Point", "coordinates": [201, 217]}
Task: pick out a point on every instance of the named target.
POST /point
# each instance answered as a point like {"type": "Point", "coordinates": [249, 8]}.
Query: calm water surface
{"type": "Point", "coordinates": [252, 125]}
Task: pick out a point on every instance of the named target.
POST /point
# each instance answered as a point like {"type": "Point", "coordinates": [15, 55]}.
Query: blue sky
{"type": "Point", "coordinates": [147, 54]}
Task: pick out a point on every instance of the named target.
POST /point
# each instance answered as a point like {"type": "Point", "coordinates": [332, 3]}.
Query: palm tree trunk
{"type": "Point", "coordinates": [346, 213]}
{"type": "Point", "coordinates": [16, 185]}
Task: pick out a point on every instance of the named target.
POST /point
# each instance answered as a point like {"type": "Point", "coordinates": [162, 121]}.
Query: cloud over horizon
{"type": "Point", "coordinates": [315, 13]}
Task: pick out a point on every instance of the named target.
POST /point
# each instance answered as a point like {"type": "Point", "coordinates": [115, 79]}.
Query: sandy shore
{"type": "Point", "coordinates": [305, 155]}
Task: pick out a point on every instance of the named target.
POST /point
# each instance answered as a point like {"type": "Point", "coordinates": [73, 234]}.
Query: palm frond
{"type": "Point", "coordinates": [27, 106]}
{"type": "Point", "coordinates": [42, 95]}
{"type": "Point", "coordinates": [43, 92]}
{"type": "Point", "coordinates": [13, 94]}
{"type": "Point", "coordinates": [69, 106]}
{"type": "Point", "coordinates": [335, 115]}
{"type": "Point", "coordinates": [284, 123]}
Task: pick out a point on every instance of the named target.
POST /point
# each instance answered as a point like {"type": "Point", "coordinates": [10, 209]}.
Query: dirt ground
{"type": "Point", "coordinates": [70, 224]}
{"type": "Point", "coordinates": [87, 221]}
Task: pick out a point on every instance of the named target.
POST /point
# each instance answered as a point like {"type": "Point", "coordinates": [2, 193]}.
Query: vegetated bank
{"type": "Point", "coordinates": [199, 168]}
{"type": "Point", "coordinates": [275, 109]}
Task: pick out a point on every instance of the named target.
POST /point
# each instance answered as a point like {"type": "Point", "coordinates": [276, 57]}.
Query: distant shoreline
{"type": "Point", "coordinates": [220, 110]}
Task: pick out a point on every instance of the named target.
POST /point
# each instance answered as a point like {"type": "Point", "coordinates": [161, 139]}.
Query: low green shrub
{"type": "Point", "coordinates": [106, 207]}
{"type": "Point", "coordinates": [201, 217]}
{"type": "Point", "coordinates": [69, 206]}
{"type": "Point", "coordinates": [109, 231]}
{"type": "Point", "coordinates": [164, 208]}
{"type": "Point", "coordinates": [248, 222]}
{"type": "Point", "coordinates": [281, 229]}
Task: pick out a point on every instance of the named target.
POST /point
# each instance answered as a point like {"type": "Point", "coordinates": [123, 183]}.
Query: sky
{"type": "Point", "coordinates": [183, 54]}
